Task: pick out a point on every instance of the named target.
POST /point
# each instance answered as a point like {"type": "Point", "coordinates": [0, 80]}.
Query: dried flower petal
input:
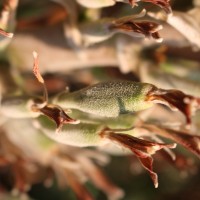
{"type": "Point", "coordinates": [130, 25]}
{"type": "Point", "coordinates": [190, 142]}
{"type": "Point", "coordinates": [147, 163]}
{"type": "Point", "coordinates": [57, 115]}
{"type": "Point", "coordinates": [143, 149]}
{"type": "Point", "coordinates": [164, 4]}
{"type": "Point", "coordinates": [186, 104]}
{"type": "Point", "coordinates": [134, 143]}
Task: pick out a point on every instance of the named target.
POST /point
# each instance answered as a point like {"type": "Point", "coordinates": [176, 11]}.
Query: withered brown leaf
{"type": "Point", "coordinates": [164, 4]}
{"type": "Point", "coordinates": [185, 103]}
{"type": "Point", "coordinates": [143, 149]}
{"type": "Point", "coordinates": [136, 27]}
{"type": "Point", "coordinates": [58, 115]}
{"type": "Point", "coordinates": [189, 141]}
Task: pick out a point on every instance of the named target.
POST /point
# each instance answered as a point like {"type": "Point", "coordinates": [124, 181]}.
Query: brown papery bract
{"type": "Point", "coordinates": [176, 99]}
{"type": "Point", "coordinates": [139, 27]}
{"type": "Point", "coordinates": [164, 4]}
{"type": "Point", "coordinates": [187, 140]}
{"type": "Point", "coordinates": [143, 149]}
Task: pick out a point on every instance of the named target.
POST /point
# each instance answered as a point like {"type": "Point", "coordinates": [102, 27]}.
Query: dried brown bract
{"type": "Point", "coordinates": [186, 104]}
{"type": "Point", "coordinates": [136, 27]}
{"type": "Point", "coordinates": [189, 141]}
{"type": "Point", "coordinates": [142, 149]}
{"type": "Point", "coordinates": [164, 4]}
{"type": "Point", "coordinates": [58, 115]}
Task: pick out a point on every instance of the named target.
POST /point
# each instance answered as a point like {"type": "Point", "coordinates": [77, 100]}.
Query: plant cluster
{"type": "Point", "coordinates": [70, 134]}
